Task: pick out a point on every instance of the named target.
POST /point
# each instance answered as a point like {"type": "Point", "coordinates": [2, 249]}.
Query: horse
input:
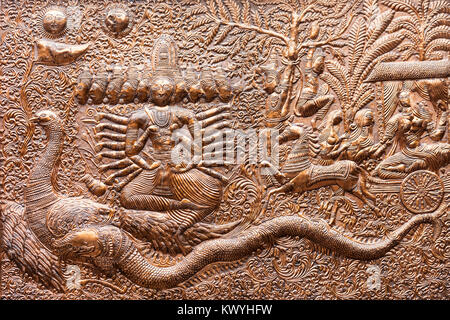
{"type": "Point", "coordinates": [301, 172]}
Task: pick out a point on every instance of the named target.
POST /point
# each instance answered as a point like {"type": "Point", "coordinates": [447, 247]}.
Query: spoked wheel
{"type": "Point", "coordinates": [422, 191]}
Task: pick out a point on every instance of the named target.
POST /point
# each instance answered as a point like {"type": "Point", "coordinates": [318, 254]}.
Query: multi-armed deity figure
{"type": "Point", "coordinates": [158, 177]}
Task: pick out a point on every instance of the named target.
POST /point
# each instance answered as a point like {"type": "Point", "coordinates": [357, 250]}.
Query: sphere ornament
{"type": "Point", "coordinates": [53, 22]}
{"type": "Point", "coordinates": [117, 21]}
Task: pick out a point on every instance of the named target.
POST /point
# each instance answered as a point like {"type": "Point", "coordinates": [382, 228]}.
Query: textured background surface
{"type": "Point", "coordinates": [288, 269]}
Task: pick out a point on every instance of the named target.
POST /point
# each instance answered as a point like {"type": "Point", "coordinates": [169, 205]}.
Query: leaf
{"type": "Point", "coordinates": [212, 34]}
{"type": "Point", "coordinates": [367, 97]}
{"type": "Point", "coordinates": [223, 34]}
{"type": "Point", "coordinates": [444, 10]}
{"type": "Point", "coordinates": [408, 54]}
{"type": "Point", "coordinates": [441, 32]}
{"type": "Point", "coordinates": [378, 26]}
{"type": "Point", "coordinates": [438, 45]}
{"type": "Point", "coordinates": [412, 36]}
{"type": "Point", "coordinates": [371, 8]}
{"type": "Point", "coordinates": [262, 43]}
{"type": "Point", "coordinates": [425, 5]}
{"type": "Point", "coordinates": [234, 9]}
{"type": "Point", "coordinates": [383, 45]}
{"type": "Point", "coordinates": [264, 19]}
{"type": "Point", "coordinates": [359, 93]}
{"type": "Point", "coordinates": [246, 12]}
{"type": "Point", "coordinates": [403, 22]}
{"type": "Point", "coordinates": [219, 58]}
{"type": "Point", "coordinates": [338, 71]}
{"type": "Point", "coordinates": [223, 12]}
{"type": "Point", "coordinates": [404, 6]}
{"type": "Point", "coordinates": [201, 22]}
{"type": "Point", "coordinates": [257, 19]}
{"type": "Point", "coordinates": [336, 86]}
{"type": "Point", "coordinates": [357, 41]}
{"type": "Point", "coordinates": [407, 45]}
{"type": "Point", "coordinates": [388, 57]}
{"type": "Point", "coordinates": [437, 5]}
{"type": "Point", "coordinates": [440, 19]}
{"type": "Point", "coordinates": [212, 7]}
{"type": "Point", "coordinates": [195, 11]}
{"type": "Point", "coordinates": [221, 49]}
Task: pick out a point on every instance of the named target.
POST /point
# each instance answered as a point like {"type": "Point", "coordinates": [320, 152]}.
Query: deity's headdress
{"type": "Point", "coordinates": [272, 65]}
{"type": "Point", "coordinates": [164, 57]}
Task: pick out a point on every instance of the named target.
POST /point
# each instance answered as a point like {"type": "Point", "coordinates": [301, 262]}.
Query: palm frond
{"type": "Point", "coordinates": [357, 40]}
{"type": "Point", "coordinates": [378, 26]}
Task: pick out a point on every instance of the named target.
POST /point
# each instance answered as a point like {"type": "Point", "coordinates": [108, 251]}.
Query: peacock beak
{"type": "Point", "coordinates": [34, 119]}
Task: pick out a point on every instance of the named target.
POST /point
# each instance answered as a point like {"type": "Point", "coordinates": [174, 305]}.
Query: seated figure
{"type": "Point", "coordinates": [406, 129]}
{"type": "Point", "coordinates": [184, 192]}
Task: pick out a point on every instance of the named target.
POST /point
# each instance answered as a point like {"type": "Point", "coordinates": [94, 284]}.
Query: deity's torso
{"type": "Point", "coordinates": [311, 85]}
{"type": "Point", "coordinates": [274, 109]}
{"type": "Point", "coordinates": [164, 121]}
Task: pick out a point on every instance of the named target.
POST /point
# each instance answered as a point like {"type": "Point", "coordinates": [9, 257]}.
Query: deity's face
{"type": "Point", "coordinates": [367, 119]}
{"type": "Point", "coordinates": [162, 89]}
{"type": "Point", "coordinates": [54, 21]}
{"type": "Point", "coordinates": [404, 99]}
{"type": "Point", "coordinates": [180, 89]}
{"type": "Point", "coordinates": [270, 81]}
{"type": "Point", "coordinates": [117, 20]}
{"type": "Point", "coordinates": [81, 91]}
{"type": "Point", "coordinates": [319, 64]}
{"type": "Point", "coordinates": [337, 118]}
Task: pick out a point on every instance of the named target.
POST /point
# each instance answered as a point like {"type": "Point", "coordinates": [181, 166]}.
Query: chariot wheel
{"type": "Point", "coordinates": [422, 191]}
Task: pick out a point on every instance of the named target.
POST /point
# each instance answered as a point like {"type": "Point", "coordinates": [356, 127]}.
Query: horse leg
{"type": "Point", "coordinates": [280, 177]}
{"type": "Point", "coordinates": [284, 188]}
{"type": "Point", "coordinates": [361, 197]}
{"type": "Point", "coordinates": [333, 213]}
{"type": "Point", "coordinates": [359, 189]}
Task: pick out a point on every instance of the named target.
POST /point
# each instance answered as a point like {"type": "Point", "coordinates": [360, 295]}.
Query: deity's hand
{"type": "Point", "coordinates": [144, 164]}
{"type": "Point", "coordinates": [362, 154]}
{"type": "Point", "coordinates": [442, 105]}
{"type": "Point", "coordinates": [376, 151]}
{"type": "Point", "coordinates": [179, 168]}
{"type": "Point", "coordinates": [139, 144]}
{"type": "Point", "coordinates": [343, 138]}
{"type": "Point", "coordinates": [344, 145]}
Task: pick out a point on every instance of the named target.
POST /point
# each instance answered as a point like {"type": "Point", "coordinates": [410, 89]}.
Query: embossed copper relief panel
{"type": "Point", "coordinates": [224, 149]}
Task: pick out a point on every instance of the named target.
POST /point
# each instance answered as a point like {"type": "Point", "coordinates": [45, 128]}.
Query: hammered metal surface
{"type": "Point", "coordinates": [224, 149]}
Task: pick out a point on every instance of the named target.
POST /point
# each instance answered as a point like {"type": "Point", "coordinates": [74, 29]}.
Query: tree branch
{"type": "Point", "coordinates": [312, 44]}
{"type": "Point", "coordinates": [250, 27]}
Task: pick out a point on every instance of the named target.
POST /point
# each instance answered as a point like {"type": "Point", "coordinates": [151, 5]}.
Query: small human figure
{"type": "Point", "coordinates": [332, 145]}
{"type": "Point", "coordinates": [360, 138]}
{"type": "Point", "coordinates": [314, 99]}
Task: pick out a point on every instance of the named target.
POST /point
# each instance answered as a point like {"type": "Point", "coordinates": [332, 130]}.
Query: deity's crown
{"type": "Point", "coordinates": [164, 60]}
{"type": "Point", "coordinates": [85, 74]}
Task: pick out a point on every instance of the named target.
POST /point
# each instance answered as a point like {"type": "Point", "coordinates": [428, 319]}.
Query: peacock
{"type": "Point", "coordinates": [35, 233]}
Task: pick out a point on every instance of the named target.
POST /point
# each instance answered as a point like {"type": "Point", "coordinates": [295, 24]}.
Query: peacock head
{"type": "Point", "coordinates": [45, 118]}
{"type": "Point", "coordinates": [48, 120]}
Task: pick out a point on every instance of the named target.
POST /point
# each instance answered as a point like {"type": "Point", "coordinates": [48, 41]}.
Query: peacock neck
{"type": "Point", "coordinates": [42, 170]}
{"type": "Point", "coordinates": [39, 193]}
